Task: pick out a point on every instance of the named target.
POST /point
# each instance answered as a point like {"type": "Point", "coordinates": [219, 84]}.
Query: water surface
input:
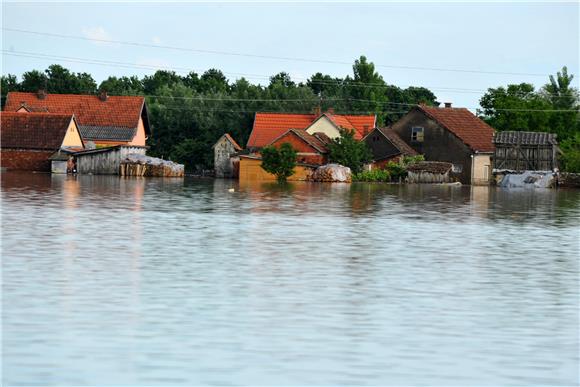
{"type": "Point", "coordinates": [110, 281]}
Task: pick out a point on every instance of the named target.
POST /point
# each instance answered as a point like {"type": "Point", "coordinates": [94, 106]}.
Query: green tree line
{"type": "Point", "coordinates": [188, 113]}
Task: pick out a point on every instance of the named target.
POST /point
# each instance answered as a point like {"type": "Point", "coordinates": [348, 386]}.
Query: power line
{"type": "Point", "coordinates": [257, 56]}
{"type": "Point", "coordinates": [184, 70]}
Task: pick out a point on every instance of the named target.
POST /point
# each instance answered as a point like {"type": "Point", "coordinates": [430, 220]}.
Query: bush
{"type": "Point", "coordinates": [349, 152]}
{"type": "Point", "coordinates": [396, 170]}
{"type": "Point", "coordinates": [570, 158]}
{"type": "Point", "coordinates": [372, 176]}
{"type": "Point", "coordinates": [279, 162]}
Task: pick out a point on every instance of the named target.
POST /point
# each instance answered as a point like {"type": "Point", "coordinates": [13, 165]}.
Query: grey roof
{"type": "Point", "coordinates": [525, 138]}
{"type": "Point", "coordinates": [114, 133]}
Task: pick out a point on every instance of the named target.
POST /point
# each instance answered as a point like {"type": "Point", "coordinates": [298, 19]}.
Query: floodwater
{"type": "Point", "coordinates": [110, 281]}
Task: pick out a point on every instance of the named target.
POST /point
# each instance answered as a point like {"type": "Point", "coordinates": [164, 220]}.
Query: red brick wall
{"type": "Point", "coordinates": [297, 143]}
{"type": "Point", "coordinates": [25, 160]}
{"type": "Point", "coordinates": [381, 164]}
{"type": "Point", "coordinates": [302, 147]}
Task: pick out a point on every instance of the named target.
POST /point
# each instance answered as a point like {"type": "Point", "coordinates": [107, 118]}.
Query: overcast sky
{"type": "Point", "coordinates": [527, 38]}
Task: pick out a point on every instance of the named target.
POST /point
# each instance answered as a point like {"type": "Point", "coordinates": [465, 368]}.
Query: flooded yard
{"type": "Point", "coordinates": [110, 281]}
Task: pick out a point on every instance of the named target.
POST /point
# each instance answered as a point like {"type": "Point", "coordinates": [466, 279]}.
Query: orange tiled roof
{"type": "Point", "coordinates": [465, 125]}
{"type": "Point", "coordinates": [89, 110]}
{"type": "Point", "coordinates": [269, 126]}
{"type": "Point", "coordinates": [41, 131]}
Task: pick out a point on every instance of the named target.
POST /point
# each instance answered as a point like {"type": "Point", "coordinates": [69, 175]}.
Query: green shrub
{"type": "Point", "coordinates": [372, 176]}
{"type": "Point", "coordinates": [570, 159]}
{"type": "Point", "coordinates": [279, 162]}
{"type": "Point", "coordinates": [396, 170]}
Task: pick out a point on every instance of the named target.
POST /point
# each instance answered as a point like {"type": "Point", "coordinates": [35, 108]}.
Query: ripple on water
{"type": "Point", "coordinates": [164, 281]}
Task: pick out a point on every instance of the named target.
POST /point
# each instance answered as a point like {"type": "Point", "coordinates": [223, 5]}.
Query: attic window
{"type": "Point", "coordinates": [417, 134]}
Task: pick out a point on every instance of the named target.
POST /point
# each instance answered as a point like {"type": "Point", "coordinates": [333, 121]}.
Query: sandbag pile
{"type": "Point", "coordinates": [140, 165]}
{"type": "Point", "coordinates": [332, 173]}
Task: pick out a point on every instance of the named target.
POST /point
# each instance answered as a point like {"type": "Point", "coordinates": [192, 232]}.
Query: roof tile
{"type": "Point", "coordinates": [465, 125]}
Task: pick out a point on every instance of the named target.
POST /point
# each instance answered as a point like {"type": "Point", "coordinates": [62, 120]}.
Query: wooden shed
{"type": "Point", "coordinates": [525, 151]}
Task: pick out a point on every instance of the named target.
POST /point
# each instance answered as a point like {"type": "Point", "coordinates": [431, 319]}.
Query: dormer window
{"type": "Point", "coordinates": [417, 134]}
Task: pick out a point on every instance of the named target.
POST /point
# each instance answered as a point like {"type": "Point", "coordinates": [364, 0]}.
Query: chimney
{"type": "Point", "coordinates": [41, 94]}
{"type": "Point", "coordinates": [317, 111]}
{"type": "Point", "coordinates": [330, 110]}
{"type": "Point", "coordinates": [103, 96]}
{"type": "Point", "coordinates": [447, 105]}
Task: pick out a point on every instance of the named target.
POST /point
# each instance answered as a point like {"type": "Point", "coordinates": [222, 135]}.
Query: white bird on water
{"type": "Point", "coordinates": [231, 190]}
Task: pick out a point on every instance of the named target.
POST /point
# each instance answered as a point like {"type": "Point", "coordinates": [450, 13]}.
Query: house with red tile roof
{"type": "Point", "coordinates": [269, 126]}
{"type": "Point", "coordinates": [452, 135]}
{"type": "Point", "coordinates": [29, 140]}
{"type": "Point", "coordinates": [102, 119]}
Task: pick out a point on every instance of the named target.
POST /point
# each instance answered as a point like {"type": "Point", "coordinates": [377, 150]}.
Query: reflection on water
{"type": "Point", "coordinates": [173, 282]}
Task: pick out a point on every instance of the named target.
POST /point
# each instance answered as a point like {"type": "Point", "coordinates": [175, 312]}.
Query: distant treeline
{"type": "Point", "coordinates": [190, 112]}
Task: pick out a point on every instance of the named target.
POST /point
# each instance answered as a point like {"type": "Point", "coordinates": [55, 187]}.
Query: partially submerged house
{"type": "Point", "coordinates": [103, 120]}
{"type": "Point", "coordinates": [453, 135]}
{"type": "Point", "coordinates": [270, 126]}
{"type": "Point", "coordinates": [29, 140]}
{"type": "Point", "coordinates": [525, 151]}
{"type": "Point", "coordinates": [386, 145]}
{"type": "Point", "coordinates": [226, 162]}
{"type": "Point", "coordinates": [308, 134]}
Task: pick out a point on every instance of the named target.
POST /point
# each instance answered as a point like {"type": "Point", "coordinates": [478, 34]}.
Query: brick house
{"type": "Point", "coordinates": [28, 140]}
{"type": "Point", "coordinates": [453, 135]}
{"type": "Point", "coordinates": [102, 119]}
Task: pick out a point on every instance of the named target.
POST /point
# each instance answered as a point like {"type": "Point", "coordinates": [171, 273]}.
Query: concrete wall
{"type": "Point", "coordinates": [25, 160]}
{"type": "Point", "coordinates": [481, 169]}
{"type": "Point", "coordinates": [251, 170]}
{"type": "Point", "coordinates": [438, 145]}
{"type": "Point", "coordinates": [104, 161]}
{"type": "Point", "coordinates": [58, 166]}
{"type": "Point", "coordinates": [224, 164]}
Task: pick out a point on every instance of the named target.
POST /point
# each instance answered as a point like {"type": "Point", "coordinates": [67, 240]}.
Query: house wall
{"type": "Point", "coordinates": [224, 164]}
{"type": "Point", "coordinates": [380, 146]}
{"type": "Point", "coordinates": [72, 137]}
{"type": "Point", "coordinates": [140, 138]}
{"type": "Point", "coordinates": [481, 172]}
{"type": "Point", "coordinates": [105, 162]}
{"type": "Point", "coordinates": [439, 144]}
{"type": "Point", "coordinates": [25, 160]}
{"type": "Point", "coordinates": [251, 170]}
{"type": "Point", "coordinates": [306, 153]}
{"type": "Point", "coordinates": [325, 126]}
{"type": "Point", "coordinates": [381, 164]}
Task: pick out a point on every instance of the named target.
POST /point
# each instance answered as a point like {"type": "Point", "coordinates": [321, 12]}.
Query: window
{"type": "Point", "coordinates": [457, 168]}
{"type": "Point", "coordinates": [417, 134]}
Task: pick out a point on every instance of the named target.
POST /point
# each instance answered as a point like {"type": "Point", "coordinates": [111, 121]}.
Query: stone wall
{"type": "Point", "coordinates": [223, 162]}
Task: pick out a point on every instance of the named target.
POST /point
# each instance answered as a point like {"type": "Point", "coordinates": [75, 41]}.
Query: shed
{"type": "Point", "coordinates": [525, 151]}
{"type": "Point", "coordinates": [429, 172]}
{"type": "Point", "coordinates": [105, 161]}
